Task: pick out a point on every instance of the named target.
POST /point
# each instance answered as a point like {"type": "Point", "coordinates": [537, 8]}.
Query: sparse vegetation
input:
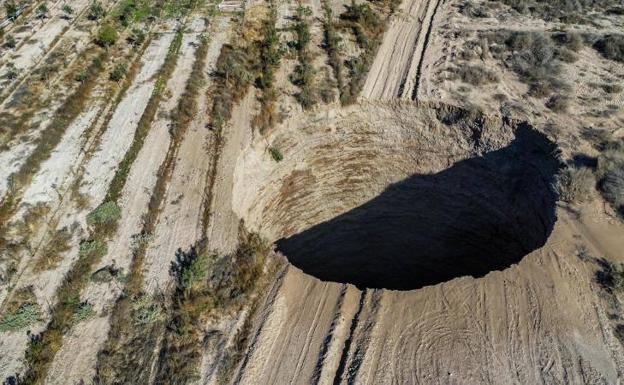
{"type": "Point", "coordinates": [476, 75]}
{"type": "Point", "coordinates": [276, 154]}
{"type": "Point", "coordinates": [304, 73]}
{"type": "Point", "coordinates": [107, 36]}
{"type": "Point", "coordinates": [611, 47]}
{"type": "Point", "coordinates": [52, 255]}
{"type": "Point", "coordinates": [96, 11]}
{"type": "Point", "coordinates": [121, 175]}
{"type": "Point", "coordinates": [233, 75]}
{"type": "Point", "coordinates": [20, 312]}
{"type": "Point", "coordinates": [576, 185]}
{"type": "Point", "coordinates": [558, 103]}
{"type": "Point", "coordinates": [119, 72]}
{"type": "Point", "coordinates": [207, 285]}
{"type": "Point", "coordinates": [270, 52]}
{"type": "Point", "coordinates": [66, 113]}
{"type": "Point", "coordinates": [610, 276]}
{"type": "Point", "coordinates": [332, 43]}
{"type": "Point", "coordinates": [611, 175]}
{"type": "Point", "coordinates": [565, 11]}
{"type": "Point", "coordinates": [537, 58]}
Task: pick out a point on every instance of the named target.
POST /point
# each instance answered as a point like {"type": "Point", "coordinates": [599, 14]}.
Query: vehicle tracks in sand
{"type": "Point", "coordinates": [395, 73]}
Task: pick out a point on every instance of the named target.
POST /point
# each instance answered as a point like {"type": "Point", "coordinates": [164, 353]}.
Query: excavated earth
{"type": "Point", "coordinates": [455, 213]}
{"type": "Point", "coordinates": [400, 203]}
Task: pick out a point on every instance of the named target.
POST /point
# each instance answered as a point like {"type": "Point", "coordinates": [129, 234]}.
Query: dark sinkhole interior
{"type": "Point", "coordinates": [481, 214]}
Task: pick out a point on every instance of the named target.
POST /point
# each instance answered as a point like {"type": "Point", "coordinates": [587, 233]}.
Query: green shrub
{"type": "Point", "coordinates": [119, 72]}
{"type": "Point", "coordinates": [105, 214]}
{"type": "Point", "coordinates": [195, 273]}
{"type": "Point", "coordinates": [10, 42]}
{"type": "Point", "coordinates": [107, 36]}
{"type": "Point", "coordinates": [96, 11]}
{"type": "Point", "coordinates": [42, 11]}
{"type": "Point", "coordinates": [83, 312]}
{"type": "Point", "coordinates": [276, 154]}
{"type": "Point", "coordinates": [67, 10]}
{"type": "Point", "coordinates": [11, 9]}
{"type": "Point", "coordinates": [25, 316]}
{"type": "Point", "coordinates": [92, 249]}
{"type": "Point", "coordinates": [136, 38]}
{"type": "Point", "coordinates": [146, 310]}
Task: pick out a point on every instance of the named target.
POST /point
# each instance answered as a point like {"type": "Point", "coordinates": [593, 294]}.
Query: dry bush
{"type": "Point", "coordinates": [576, 185]}
{"type": "Point", "coordinates": [534, 59]}
{"type": "Point", "coordinates": [558, 103]}
{"type": "Point", "coordinates": [52, 255]}
{"type": "Point", "coordinates": [565, 11]}
{"type": "Point", "coordinates": [611, 47]}
{"type": "Point", "coordinates": [207, 285]}
{"type": "Point", "coordinates": [476, 75]}
{"type": "Point", "coordinates": [571, 40]}
{"type": "Point", "coordinates": [611, 173]}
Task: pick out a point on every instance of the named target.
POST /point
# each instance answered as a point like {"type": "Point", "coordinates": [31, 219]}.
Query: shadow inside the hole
{"type": "Point", "coordinates": [479, 215]}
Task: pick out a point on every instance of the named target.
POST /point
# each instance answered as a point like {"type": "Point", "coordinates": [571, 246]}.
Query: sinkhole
{"type": "Point", "coordinates": [484, 211]}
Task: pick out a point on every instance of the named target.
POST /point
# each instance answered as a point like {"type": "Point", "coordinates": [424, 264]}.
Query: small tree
{"type": "Point", "coordinates": [42, 11]}
{"type": "Point", "coordinates": [68, 11]}
{"type": "Point", "coordinates": [96, 11]}
{"type": "Point", "coordinates": [11, 9]}
{"type": "Point", "coordinates": [119, 72]}
{"type": "Point", "coordinates": [107, 36]}
{"type": "Point", "coordinates": [10, 42]}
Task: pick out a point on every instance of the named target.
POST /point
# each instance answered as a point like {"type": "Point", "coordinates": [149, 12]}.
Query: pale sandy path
{"type": "Point", "coordinates": [180, 221]}
{"type": "Point", "coordinates": [395, 69]}
{"type": "Point", "coordinates": [223, 227]}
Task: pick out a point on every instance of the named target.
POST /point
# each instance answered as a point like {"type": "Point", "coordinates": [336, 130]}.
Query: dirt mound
{"type": "Point", "coordinates": [374, 212]}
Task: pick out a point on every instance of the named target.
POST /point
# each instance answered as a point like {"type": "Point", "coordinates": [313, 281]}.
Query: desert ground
{"type": "Point", "coordinates": [311, 192]}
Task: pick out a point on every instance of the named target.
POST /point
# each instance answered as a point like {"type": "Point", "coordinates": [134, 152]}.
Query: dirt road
{"type": "Point", "coordinates": [396, 69]}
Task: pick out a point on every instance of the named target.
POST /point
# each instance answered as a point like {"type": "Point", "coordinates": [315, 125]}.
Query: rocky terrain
{"type": "Point", "coordinates": [323, 192]}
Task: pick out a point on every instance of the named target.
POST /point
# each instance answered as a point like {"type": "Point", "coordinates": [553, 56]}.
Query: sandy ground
{"type": "Point", "coordinates": [118, 135]}
{"type": "Point", "coordinates": [45, 39]}
{"type": "Point", "coordinates": [180, 221]}
{"type": "Point", "coordinates": [56, 34]}
{"type": "Point", "coordinates": [589, 105]}
{"type": "Point", "coordinates": [541, 321]}
{"type": "Point", "coordinates": [134, 204]}
{"type": "Point", "coordinates": [396, 66]}
{"type": "Point", "coordinates": [223, 226]}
